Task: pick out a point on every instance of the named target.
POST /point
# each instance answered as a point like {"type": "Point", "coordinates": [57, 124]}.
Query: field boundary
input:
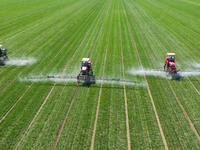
{"type": "Point", "coordinates": [150, 95]}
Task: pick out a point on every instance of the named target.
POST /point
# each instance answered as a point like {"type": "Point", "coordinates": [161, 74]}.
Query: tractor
{"type": "Point", "coordinates": [86, 73]}
{"type": "Point", "coordinates": [85, 76]}
{"type": "Point", "coordinates": [171, 68]}
{"type": "Point", "coordinates": [3, 54]}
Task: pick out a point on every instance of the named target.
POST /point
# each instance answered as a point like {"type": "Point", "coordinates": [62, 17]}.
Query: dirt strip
{"type": "Point", "coordinates": [185, 113]}
{"type": "Point", "coordinates": [35, 116]}
{"type": "Point", "coordinates": [14, 79]}
{"type": "Point", "coordinates": [63, 122]}
{"type": "Point", "coordinates": [97, 111]}
{"type": "Point", "coordinates": [193, 85]}
{"type": "Point", "coordinates": [150, 95]}
{"type": "Point", "coordinates": [125, 97]}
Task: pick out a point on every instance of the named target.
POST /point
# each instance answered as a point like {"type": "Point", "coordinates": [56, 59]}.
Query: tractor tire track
{"type": "Point", "coordinates": [43, 71]}
{"type": "Point", "coordinates": [65, 117]}
{"type": "Point", "coordinates": [99, 97]}
{"type": "Point", "coordinates": [166, 50]}
{"type": "Point", "coordinates": [35, 116]}
{"type": "Point", "coordinates": [46, 38]}
{"type": "Point", "coordinates": [125, 97]}
{"type": "Point", "coordinates": [185, 113]}
{"type": "Point", "coordinates": [148, 88]}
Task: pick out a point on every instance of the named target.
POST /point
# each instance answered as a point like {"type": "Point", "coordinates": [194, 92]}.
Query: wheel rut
{"type": "Point", "coordinates": [185, 113]}
{"type": "Point", "coordinates": [148, 88]}
{"type": "Point", "coordinates": [100, 90]}
{"type": "Point", "coordinates": [125, 97]}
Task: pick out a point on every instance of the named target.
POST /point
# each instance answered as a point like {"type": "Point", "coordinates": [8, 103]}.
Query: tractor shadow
{"type": "Point", "coordinates": [2, 63]}
{"type": "Point", "coordinates": [92, 86]}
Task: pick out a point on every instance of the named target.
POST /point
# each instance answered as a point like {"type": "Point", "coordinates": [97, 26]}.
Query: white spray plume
{"type": "Point", "coordinates": [48, 79]}
{"type": "Point", "coordinates": [190, 73]}
{"type": "Point", "coordinates": [75, 80]}
{"type": "Point", "coordinates": [147, 72]}
{"type": "Point", "coordinates": [119, 83]}
{"type": "Point", "coordinates": [196, 65]}
{"type": "Point", "coordinates": [21, 62]}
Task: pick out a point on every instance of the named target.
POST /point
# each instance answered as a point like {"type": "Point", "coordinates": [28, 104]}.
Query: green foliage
{"type": "Point", "coordinates": [59, 34]}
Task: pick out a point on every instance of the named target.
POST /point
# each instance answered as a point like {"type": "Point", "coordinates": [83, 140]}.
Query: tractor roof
{"type": "Point", "coordinates": [0, 46]}
{"type": "Point", "coordinates": [86, 59]}
{"type": "Point", "coordinates": [170, 54]}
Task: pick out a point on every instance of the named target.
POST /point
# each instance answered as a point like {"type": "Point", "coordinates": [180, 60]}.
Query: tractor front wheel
{"type": "Point", "coordinates": [6, 58]}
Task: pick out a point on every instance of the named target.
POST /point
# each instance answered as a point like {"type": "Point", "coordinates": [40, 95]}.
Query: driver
{"type": "Point", "coordinates": [171, 59]}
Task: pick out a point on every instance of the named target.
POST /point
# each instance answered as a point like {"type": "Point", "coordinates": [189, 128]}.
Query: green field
{"type": "Point", "coordinates": [118, 36]}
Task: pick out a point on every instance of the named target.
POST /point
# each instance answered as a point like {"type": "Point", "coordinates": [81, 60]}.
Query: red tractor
{"type": "Point", "coordinates": [86, 73]}
{"type": "Point", "coordinates": [170, 62]}
{"type": "Point", "coordinates": [171, 68]}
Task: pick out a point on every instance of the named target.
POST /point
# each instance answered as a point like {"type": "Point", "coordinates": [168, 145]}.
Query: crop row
{"type": "Point", "coordinates": [33, 107]}
{"type": "Point", "coordinates": [116, 35]}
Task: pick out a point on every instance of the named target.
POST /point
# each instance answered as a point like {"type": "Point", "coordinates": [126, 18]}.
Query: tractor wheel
{"type": "Point", "coordinates": [6, 58]}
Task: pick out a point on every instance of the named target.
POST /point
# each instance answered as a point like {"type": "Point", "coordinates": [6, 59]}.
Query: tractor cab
{"type": "Point", "coordinates": [170, 57]}
{"type": "Point", "coordinates": [3, 54]}
{"type": "Point", "coordinates": [86, 65]}
{"type": "Point", "coordinates": [86, 73]}
{"type": "Point", "coordinates": [86, 62]}
{"type": "Point", "coordinates": [170, 61]}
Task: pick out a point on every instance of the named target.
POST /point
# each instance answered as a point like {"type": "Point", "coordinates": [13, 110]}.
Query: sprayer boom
{"type": "Point", "coordinates": [88, 80]}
